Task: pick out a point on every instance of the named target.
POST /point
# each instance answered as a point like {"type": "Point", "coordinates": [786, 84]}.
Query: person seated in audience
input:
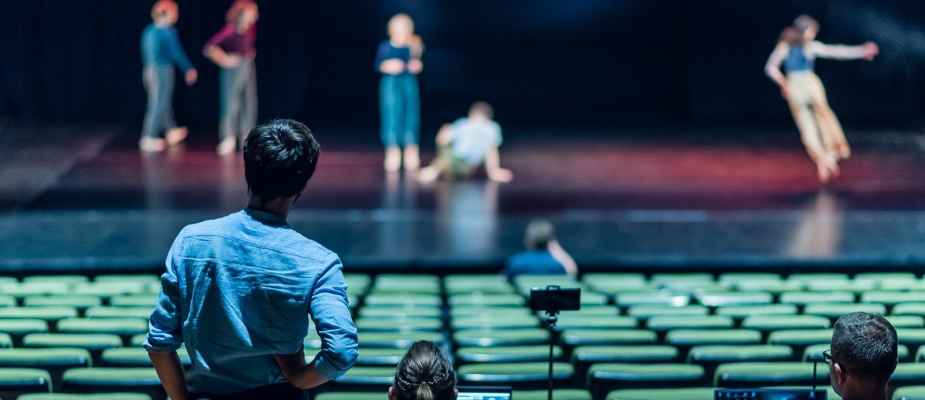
{"type": "Point", "coordinates": [424, 373]}
{"type": "Point", "coordinates": [862, 357]}
{"type": "Point", "coordinates": [543, 254]}
{"type": "Point", "coordinates": [466, 144]}
{"type": "Point", "coordinates": [238, 289]}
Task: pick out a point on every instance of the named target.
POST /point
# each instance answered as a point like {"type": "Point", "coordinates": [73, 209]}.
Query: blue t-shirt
{"type": "Point", "coordinates": [387, 52]}
{"type": "Point", "coordinates": [239, 289]}
{"type": "Point", "coordinates": [798, 61]}
{"type": "Point", "coordinates": [160, 46]}
{"type": "Point", "coordinates": [533, 262]}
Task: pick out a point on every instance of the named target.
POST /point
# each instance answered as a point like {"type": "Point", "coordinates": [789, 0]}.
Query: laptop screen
{"type": "Point", "coordinates": [484, 393]}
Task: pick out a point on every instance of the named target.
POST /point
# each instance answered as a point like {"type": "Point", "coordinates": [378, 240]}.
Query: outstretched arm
{"type": "Point", "coordinates": [866, 51]}
{"type": "Point", "coordinates": [772, 67]}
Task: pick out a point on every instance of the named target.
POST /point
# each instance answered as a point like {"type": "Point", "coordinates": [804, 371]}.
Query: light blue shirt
{"type": "Point", "coordinates": [472, 138]}
{"type": "Point", "coordinates": [239, 289]}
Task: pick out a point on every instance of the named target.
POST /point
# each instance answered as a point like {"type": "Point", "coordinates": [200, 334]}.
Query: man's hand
{"type": "Point", "coordinates": [191, 76]}
{"type": "Point", "coordinates": [870, 50]}
{"type": "Point", "coordinates": [293, 368]}
{"type": "Point", "coordinates": [415, 66]}
{"type": "Point", "coordinates": [501, 175]}
{"type": "Point", "coordinates": [392, 66]}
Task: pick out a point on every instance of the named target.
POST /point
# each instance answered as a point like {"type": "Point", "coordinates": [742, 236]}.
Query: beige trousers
{"type": "Point", "coordinates": [821, 132]}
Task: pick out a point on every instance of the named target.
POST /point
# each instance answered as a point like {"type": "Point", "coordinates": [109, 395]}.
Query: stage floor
{"type": "Point", "coordinates": [635, 200]}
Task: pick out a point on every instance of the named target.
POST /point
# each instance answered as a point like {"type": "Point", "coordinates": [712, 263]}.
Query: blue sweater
{"type": "Point", "coordinates": [160, 46]}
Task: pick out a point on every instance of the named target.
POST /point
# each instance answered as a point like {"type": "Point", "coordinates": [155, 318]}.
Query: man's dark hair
{"type": "Point", "coordinates": [279, 158]}
{"type": "Point", "coordinates": [865, 345]}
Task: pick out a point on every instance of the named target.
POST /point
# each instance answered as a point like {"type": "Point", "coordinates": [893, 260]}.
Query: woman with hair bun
{"type": "Point", "coordinates": [424, 373]}
{"type": "Point", "coordinates": [798, 49]}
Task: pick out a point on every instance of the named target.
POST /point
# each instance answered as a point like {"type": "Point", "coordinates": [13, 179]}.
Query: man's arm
{"type": "Point", "coordinates": [493, 166]}
{"type": "Point", "coordinates": [841, 52]}
{"type": "Point", "coordinates": [165, 333]}
{"type": "Point", "coordinates": [170, 371]}
{"type": "Point", "coordinates": [338, 334]}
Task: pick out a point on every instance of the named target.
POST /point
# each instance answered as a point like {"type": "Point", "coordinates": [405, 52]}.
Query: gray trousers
{"type": "Point", "coordinates": [159, 81]}
{"type": "Point", "coordinates": [238, 100]}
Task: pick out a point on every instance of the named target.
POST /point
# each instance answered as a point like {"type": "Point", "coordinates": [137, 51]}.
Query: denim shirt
{"type": "Point", "coordinates": [239, 289]}
{"type": "Point", "coordinates": [160, 46]}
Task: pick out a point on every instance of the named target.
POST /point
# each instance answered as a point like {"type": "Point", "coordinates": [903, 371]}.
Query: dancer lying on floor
{"type": "Point", "coordinates": [465, 145]}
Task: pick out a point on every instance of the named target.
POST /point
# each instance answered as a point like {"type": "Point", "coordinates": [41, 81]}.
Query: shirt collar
{"type": "Point", "coordinates": [265, 216]}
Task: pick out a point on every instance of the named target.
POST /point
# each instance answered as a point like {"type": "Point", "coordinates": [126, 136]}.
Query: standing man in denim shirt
{"type": "Point", "coordinates": [238, 289]}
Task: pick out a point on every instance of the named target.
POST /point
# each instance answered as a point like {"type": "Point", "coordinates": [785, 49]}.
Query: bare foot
{"type": "Point", "coordinates": [176, 135]}
{"type": "Point", "coordinates": [392, 159]}
{"type": "Point", "coordinates": [151, 145]}
{"type": "Point", "coordinates": [226, 146]}
{"type": "Point", "coordinates": [412, 158]}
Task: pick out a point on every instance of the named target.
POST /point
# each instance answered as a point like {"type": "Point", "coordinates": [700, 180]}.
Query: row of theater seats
{"type": "Point", "coordinates": [636, 337]}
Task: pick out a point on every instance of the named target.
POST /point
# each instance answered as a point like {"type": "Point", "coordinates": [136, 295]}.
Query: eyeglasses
{"type": "Point", "coordinates": [827, 357]}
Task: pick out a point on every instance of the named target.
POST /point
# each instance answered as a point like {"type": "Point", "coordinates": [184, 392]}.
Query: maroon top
{"type": "Point", "coordinates": [230, 41]}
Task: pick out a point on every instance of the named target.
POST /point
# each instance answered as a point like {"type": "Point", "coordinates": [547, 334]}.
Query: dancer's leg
{"type": "Point", "coordinates": [833, 135]}
{"type": "Point", "coordinates": [158, 100]}
{"type": "Point", "coordinates": [412, 119]}
{"type": "Point", "coordinates": [230, 105]}
{"type": "Point", "coordinates": [390, 108]}
{"type": "Point", "coordinates": [800, 101]}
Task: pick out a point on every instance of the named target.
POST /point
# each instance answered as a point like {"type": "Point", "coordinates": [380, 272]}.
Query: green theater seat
{"type": "Point", "coordinates": [17, 381]}
{"type": "Point", "coordinates": [835, 310]}
{"type": "Point", "coordinates": [486, 300]}
{"type": "Point", "coordinates": [403, 300]}
{"type": "Point", "coordinates": [35, 288]}
{"type": "Point", "coordinates": [653, 298]}
{"type": "Point", "coordinates": [907, 374]}
{"type": "Point", "coordinates": [911, 337]}
{"type": "Point", "coordinates": [811, 277]}
{"type": "Point", "coordinates": [492, 322]}
{"type": "Point", "coordinates": [96, 380]}
{"type": "Point", "coordinates": [80, 302]}
{"type": "Point", "coordinates": [695, 337]}
{"type": "Point", "coordinates": [799, 339]}
{"type": "Point", "coordinates": [760, 374]}
{"type": "Point", "coordinates": [717, 299]}
{"type": "Point", "coordinates": [136, 300]}
{"type": "Point", "coordinates": [604, 378]}
{"type": "Point", "coordinates": [589, 337]}
{"type": "Point", "coordinates": [65, 279]}
{"type": "Point", "coordinates": [732, 279]}
{"type": "Point", "coordinates": [557, 394]}
{"type": "Point", "coordinates": [579, 321]}
{"type": "Point", "coordinates": [585, 356]}
{"type": "Point", "coordinates": [644, 312]}
{"type": "Point", "coordinates": [847, 286]}
{"type": "Point", "coordinates": [909, 309]}
{"type": "Point", "coordinates": [739, 313]}
{"type": "Point", "coordinates": [521, 376]}
{"type": "Point", "coordinates": [910, 393]}
{"type": "Point", "coordinates": [507, 354]}
{"type": "Point", "coordinates": [405, 325]}
{"type": "Point", "coordinates": [92, 342]}
{"type": "Point", "coordinates": [50, 314]}
{"type": "Point", "coordinates": [108, 289]}
{"type": "Point", "coordinates": [120, 312]}
{"type": "Point", "coordinates": [365, 379]}
{"type": "Point", "coordinates": [125, 327]}
{"type": "Point", "coordinates": [710, 357]}
{"type": "Point", "coordinates": [906, 321]}
{"type": "Point", "coordinates": [15, 329]}
{"type": "Point", "coordinates": [892, 297]}
{"type": "Point", "coordinates": [55, 361]}
{"type": "Point", "coordinates": [767, 323]}
{"type": "Point", "coordinates": [136, 357]}
{"type": "Point", "coordinates": [391, 313]}
{"type": "Point", "coordinates": [663, 323]}
{"type": "Point", "coordinates": [370, 356]}
{"type": "Point", "coordinates": [397, 339]}
{"type": "Point", "coordinates": [490, 312]}
{"type": "Point", "coordinates": [804, 298]}
{"type": "Point", "coordinates": [96, 396]}
{"type": "Point", "coordinates": [512, 337]}
{"type": "Point", "coordinates": [662, 394]}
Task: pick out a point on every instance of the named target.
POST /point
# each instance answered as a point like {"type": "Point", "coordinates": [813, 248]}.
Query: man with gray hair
{"type": "Point", "coordinates": [862, 357]}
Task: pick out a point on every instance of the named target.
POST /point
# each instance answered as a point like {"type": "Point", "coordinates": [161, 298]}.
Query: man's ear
{"type": "Point", "coordinates": [456, 392]}
{"type": "Point", "coordinates": [391, 392]}
{"type": "Point", "coordinates": [838, 373]}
